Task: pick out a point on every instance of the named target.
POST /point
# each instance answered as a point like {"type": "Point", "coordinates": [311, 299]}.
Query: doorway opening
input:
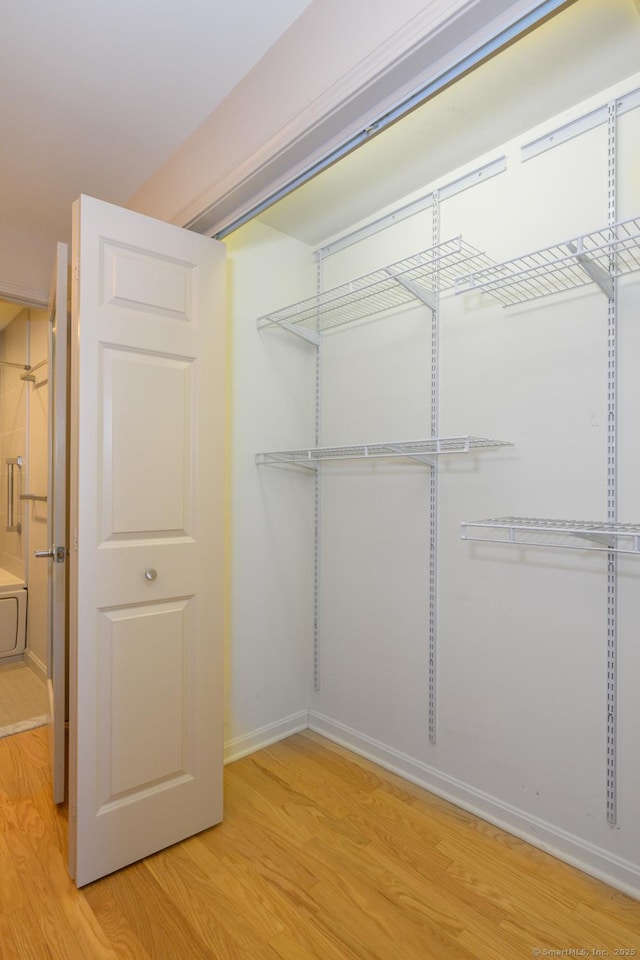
{"type": "Point", "coordinates": [24, 444]}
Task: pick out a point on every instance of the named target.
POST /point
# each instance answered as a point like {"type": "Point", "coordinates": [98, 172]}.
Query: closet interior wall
{"type": "Point", "coordinates": [521, 680]}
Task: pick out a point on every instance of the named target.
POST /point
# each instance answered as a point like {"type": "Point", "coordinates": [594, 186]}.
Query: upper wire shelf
{"type": "Point", "coordinates": [421, 450]}
{"type": "Point", "coordinates": [591, 258]}
{"type": "Point", "coordinates": [567, 534]}
{"type": "Point", "coordinates": [415, 278]}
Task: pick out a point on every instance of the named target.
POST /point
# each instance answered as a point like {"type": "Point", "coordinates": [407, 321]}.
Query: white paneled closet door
{"type": "Point", "coordinates": [146, 564]}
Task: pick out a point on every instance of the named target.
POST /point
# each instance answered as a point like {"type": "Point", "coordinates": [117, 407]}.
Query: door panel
{"type": "Point", "coordinates": [159, 287]}
{"type": "Point", "coordinates": [152, 740]}
{"type": "Point", "coordinates": [131, 454]}
{"type": "Point", "coordinates": [148, 383]}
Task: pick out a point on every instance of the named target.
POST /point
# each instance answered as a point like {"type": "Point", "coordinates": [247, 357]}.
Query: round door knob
{"type": "Point", "coordinates": [151, 574]}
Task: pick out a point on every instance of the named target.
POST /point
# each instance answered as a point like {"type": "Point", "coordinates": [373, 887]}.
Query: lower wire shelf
{"type": "Point", "coordinates": [565, 534]}
{"type": "Point", "coordinates": [421, 450]}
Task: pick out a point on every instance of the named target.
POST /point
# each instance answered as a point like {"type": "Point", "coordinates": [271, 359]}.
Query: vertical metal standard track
{"type": "Point", "coordinates": [316, 499]}
{"type": "Point", "coordinates": [433, 490]}
{"type": "Point", "coordinates": [612, 491]}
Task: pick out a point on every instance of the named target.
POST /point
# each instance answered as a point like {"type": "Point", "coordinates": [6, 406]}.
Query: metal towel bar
{"type": "Point", "coordinates": [12, 463]}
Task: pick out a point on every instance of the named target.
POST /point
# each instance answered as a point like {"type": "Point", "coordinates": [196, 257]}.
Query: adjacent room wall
{"type": "Point", "coordinates": [13, 438]}
{"type": "Point", "coordinates": [37, 511]}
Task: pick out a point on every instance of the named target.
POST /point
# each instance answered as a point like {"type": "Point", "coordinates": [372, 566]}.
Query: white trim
{"type": "Point", "coordinates": [23, 725]}
{"type": "Point", "coordinates": [403, 43]}
{"type": "Point", "coordinates": [36, 664]}
{"type": "Point", "coordinates": [21, 293]}
{"type": "Point", "coordinates": [586, 856]}
{"type": "Point", "coordinates": [242, 746]}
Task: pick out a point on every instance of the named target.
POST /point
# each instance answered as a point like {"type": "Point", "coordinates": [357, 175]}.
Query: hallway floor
{"type": "Point", "coordinates": [23, 699]}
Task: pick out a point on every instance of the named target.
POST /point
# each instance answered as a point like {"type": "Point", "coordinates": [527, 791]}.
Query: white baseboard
{"type": "Point", "coordinates": [36, 664]}
{"type": "Point", "coordinates": [264, 736]}
{"type": "Point", "coordinates": [587, 857]}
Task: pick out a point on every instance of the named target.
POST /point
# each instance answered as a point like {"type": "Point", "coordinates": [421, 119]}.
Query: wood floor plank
{"type": "Point", "coordinates": [270, 802]}
{"type": "Point", "coordinates": [153, 916]}
{"type": "Point", "coordinates": [237, 840]}
{"type": "Point", "coordinates": [288, 947]}
{"type": "Point", "coordinates": [622, 933]}
{"type": "Point", "coordinates": [45, 904]}
{"type": "Point", "coordinates": [482, 861]}
{"type": "Point", "coordinates": [371, 926]}
{"type": "Point", "coordinates": [301, 817]}
{"type": "Point", "coordinates": [21, 937]}
{"type": "Point", "coordinates": [358, 806]}
{"type": "Point", "coordinates": [61, 910]}
{"type": "Point", "coordinates": [230, 915]}
{"type": "Point", "coordinates": [12, 894]}
{"type": "Point", "coordinates": [115, 926]}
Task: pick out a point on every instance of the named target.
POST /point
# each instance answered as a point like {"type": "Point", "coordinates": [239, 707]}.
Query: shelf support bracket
{"type": "Point", "coordinates": [602, 538]}
{"type": "Point", "coordinates": [419, 457]}
{"type": "Point", "coordinates": [269, 459]}
{"type": "Point", "coordinates": [426, 296]}
{"type": "Point", "coordinates": [309, 335]}
{"type": "Point", "coordinates": [593, 270]}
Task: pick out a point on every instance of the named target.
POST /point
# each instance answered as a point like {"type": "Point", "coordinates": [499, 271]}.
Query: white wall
{"type": "Point", "coordinates": [271, 511]}
{"type": "Point", "coordinates": [26, 260]}
{"type": "Point", "coordinates": [522, 633]}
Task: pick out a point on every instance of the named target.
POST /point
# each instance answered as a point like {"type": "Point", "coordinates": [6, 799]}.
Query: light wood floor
{"type": "Point", "coordinates": [322, 855]}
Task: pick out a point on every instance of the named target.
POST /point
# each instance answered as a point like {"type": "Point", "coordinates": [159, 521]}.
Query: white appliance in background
{"type": "Point", "coordinates": [13, 616]}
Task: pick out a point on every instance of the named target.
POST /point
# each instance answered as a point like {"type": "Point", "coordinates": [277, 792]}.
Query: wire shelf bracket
{"type": "Point", "coordinates": [428, 297]}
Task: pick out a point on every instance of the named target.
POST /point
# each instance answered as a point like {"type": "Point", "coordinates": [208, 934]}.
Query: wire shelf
{"type": "Point", "coordinates": [566, 534]}
{"type": "Point", "coordinates": [421, 450]}
{"type": "Point", "coordinates": [406, 281]}
{"type": "Point", "coordinates": [592, 258]}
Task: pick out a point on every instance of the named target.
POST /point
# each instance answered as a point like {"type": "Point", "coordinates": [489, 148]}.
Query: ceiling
{"type": "Point", "coordinates": [97, 94]}
{"type": "Point", "coordinates": [586, 48]}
